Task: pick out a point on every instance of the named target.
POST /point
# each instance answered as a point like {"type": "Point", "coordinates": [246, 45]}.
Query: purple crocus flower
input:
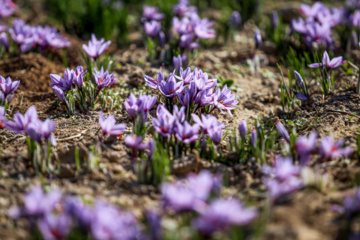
{"type": "Point", "coordinates": [329, 149]}
{"type": "Point", "coordinates": [282, 130]}
{"type": "Point", "coordinates": [351, 204]}
{"type": "Point", "coordinates": [298, 95]}
{"type": "Point", "coordinates": [7, 86]}
{"type": "Point", "coordinates": [203, 184]}
{"type": "Point", "coordinates": [21, 122]}
{"type": "Point", "coordinates": [187, 41]}
{"type": "Point", "coordinates": [204, 98]}
{"type": "Point", "coordinates": [170, 87]}
{"type": "Point", "coordinates": [179, 114]}
{"type": "Point", "coordinates": [305, 146]}
{"type": "Point", "coordinates": [79, 211]}
{"type": "Point", "coordinates": [40, 131]}
{"type": "Point", "coordinates": [311, 11]}
{"type": "Point", "coordinates": [55, 226]}
{"type": "Point", "coordinates": [109, 223]}
{"type": "Point", "coordinates": [223, 99]}
{"type": "Point", "coordinates": [37, 203]}
{"type": "Point", "coordinates": [283, 169]}
{"type": "Point", "coordinates": [135, 142]}
{"type": "Point", "coordinates": [274, 19]}
{"type": "Point", "coordinates": [64, 83]}
{"type": "Point", "coordinates": [152, 28]}
{"type": "Point", "coordinates": [183, 9]}
{"type": "Point", "coordinates": [178, 62]}
{"type": "Point", "coordinates": [282, 178]}
{"type": "Point", "coordinates": [165, 122]}
{"type": "Point", "coordinates": [327, 63]}
{"type": "Point", "coordinates": [79, 76]}
{"type": "Point", "coordinates": [204, 83]}
{"type": "Point", "coordinates": [185, 75]}
{"type": "Point", "coordinates": [203, 30]}
{"type": "Point", "coordinates": [235, 18]}
{"type": "Point", "coordinates": [109, 126]}
{"type": "Point", "coordinates": [55, 40]}
{"type": "Point", "coordinates": [60, 94]}
{"type": "Point", "coordinates": [4, 40]}
{"type": "Point", "coordinates": [279, 189]}
{"type": "Point", "coordinates": [258, 38]}
{"type": "Point", "coordinates": [222, 214]}
{"type": "Point", "coordinates": [186, 97]}
{"type": "Point", "coordinates": [154, 83]}
{"type": "Point", "coordinates": [186, 133]}
{"type": "Point", "coordinates": [208, 123]}
{"type": "Point", "coordinates": [133, 106]}
{"type": "Point", "coordinates": [96, 47]}
{"type": "Point", "coordinates": [103, 79]}
{"type": "Point", "coordinates": [299, 80]}
{"type": "Point", "coordinates": [242, 129]}
{"type": "Point", "coordinates": [152, 13]}
{"type": "Point", "coordinates": [7, 8]}
{"type": "Point", "coordinates": [22, 34]}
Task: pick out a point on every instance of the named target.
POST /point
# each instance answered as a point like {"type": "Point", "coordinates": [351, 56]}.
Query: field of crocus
{"type": "Point", "coordinates": [179, 119]}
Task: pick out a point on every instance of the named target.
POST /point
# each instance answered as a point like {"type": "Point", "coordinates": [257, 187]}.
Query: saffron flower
{"type": "Point", "coordinates": [253, 137]}
{"type": "Point", "coordinates": [152, 28]}
{"type": "Point", "coordinates": [135, 142]}
{"type": "Point", "coordinates": [8, 87]}
{"type": "Point", "coordinates": [153, 220]}
{"type": "Point", "coordinates": [170, 87]}
{"type": "Point", "coordinates": [222, 214]}
{"type": "Point", "coordinates": [235, 18]}
{"type": "Point", "coordinates": [327, 63]}
{"type": "Point", "coordinates": [190, 194]}
{"type": "Point", "coordinates": [21, 122]}
{"type": "Point", "coordinates": [154, 83]}
{"type": "Point", "coordinates": [55, 226]}
{"type": "Point", "coordinates": [305, 146]}
{"type": "Point", "coordinates": [274, 19]}
{"type": "Point", "coordinates": [204, 98]}
{"type": "Point", "coordinates": [4, 40]}
{"type": "Point", "coordinates": [22, 34]}
{"type": "Point", "coordinates": [183, 8]}
{"type": "Point", "coordinates": [187, 133]}
{"type": "Point", "coordinates": [40, 131]}
{"type": "Point", "coordinates": [103, 79]}
{"type": "Point", "coordinates": [179, 114]}
{"type": "Point", "coordinates": [135, 106]}
{"type": "Point", "coordinates": [282, 178]}
{"type": "Point", "coordinates": [178, 62]}
{"type": "Point", "coordinates": [109, 222]}
{"type": "Point", "coordinates": [7, 8]}
{"type": "Point", "coordinates": [79, 211]}
{"type": "Point", "coordinates": [208, 123]}
{"type": "Point", "coordinates": [185, 75]}
{"type": "Point", "coordinates": [186, 97]}
{"type": "Point", "coordinates": [64, 83]}
{"type": "Point", "coordinates": [223, 99]}
{"type": "Point", "coordinates": [258, 38]}
{"type": "Point", "coordinates": [96, 47]}
{"type": "Point", "coordinates": [242, 129]}
{"type": "Point", "coordinates": [329, 149]}
{"type": "Point", "coordinates": [152, 13]}
{"type": "Point", "coordinates": [282, 130]}
{"type": "Point", "coordinates": [37, 203]}
{"type": "Point", "coordinates": [109, 126]}
{"type": "Point", "coordinates": [204, 83]}
{"type": "Point", "coordinates": [165, 122]}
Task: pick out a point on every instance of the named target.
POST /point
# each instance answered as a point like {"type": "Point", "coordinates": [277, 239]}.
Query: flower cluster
{"type": "Point", "coordinates": [57, 216]}
{"type": "Point", "coordinates": [283, 178]}
{"type": "Point", "coordinates": [31, 125]}
{"type": "Point", "coordinates": [73, 87]}
{"type": "Point", "coordinates": [7, 8]}
{"type": "Point", "coordinates": [191, 27]}
{"type": "Point", "coordinates": [28, 37]}
{"type": "Point", "coordinates": [7, 88]}
{"type": "Point", "coordinates": [194, 91]}
{"type": "Point", "coordinates": [152, 23]}
{"type": "Point", "coordinates": [194, 194]}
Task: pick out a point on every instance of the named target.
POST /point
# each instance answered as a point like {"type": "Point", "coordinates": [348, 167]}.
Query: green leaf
{"type": "Point", "coordinates": [228, 82]}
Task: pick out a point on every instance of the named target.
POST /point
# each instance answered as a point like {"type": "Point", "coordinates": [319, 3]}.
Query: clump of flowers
{"type": "Point", "coordinates": [7, 88]}
{"type": "Point", "coordinates": [40, 138]}
{"type": "Point", "coordinates": [74, 87]}
{"type": "Point", "coordinates": [199, 194]}
{"type": "Point", "coordinates": [96, 47]}
{"type": "Point", "coordinates": [58, 216]}
{"type": "Point", "coordinates": [28, 37]}
{"type": "Point", "coordinates": [283, 178]}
